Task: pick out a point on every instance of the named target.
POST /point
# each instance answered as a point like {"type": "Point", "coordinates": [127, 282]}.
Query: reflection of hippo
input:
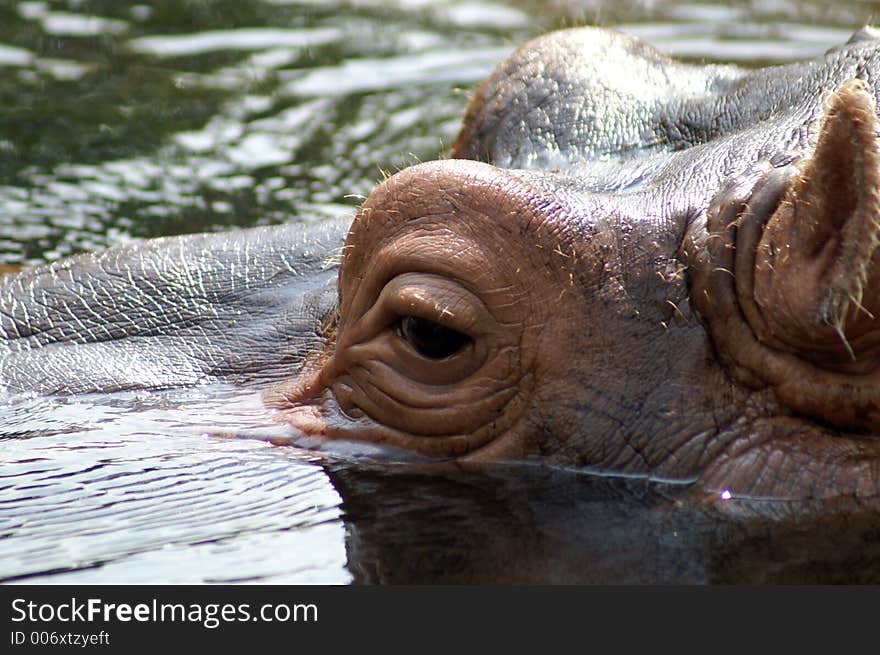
{"type": "Point", "coordinates": [658, 269]}
{"type": "Point", "coordinates": [536, 524]}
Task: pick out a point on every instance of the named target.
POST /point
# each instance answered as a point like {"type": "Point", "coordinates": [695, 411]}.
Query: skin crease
{"type": "Point", "coordinates": [587, 316]}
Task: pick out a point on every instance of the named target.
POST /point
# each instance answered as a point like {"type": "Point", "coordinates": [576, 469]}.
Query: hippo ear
{"type": "Point", "coordinates": [817, 269]}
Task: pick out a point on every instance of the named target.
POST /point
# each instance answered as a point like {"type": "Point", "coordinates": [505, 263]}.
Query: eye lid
{"type": "Point", "coordinates": [438, 298]}
{"type": "Point", "coordinates": [434, 298]}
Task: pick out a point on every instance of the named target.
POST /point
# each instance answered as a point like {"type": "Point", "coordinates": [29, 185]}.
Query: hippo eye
{"type": "Point", "coordinates": [430, 339]}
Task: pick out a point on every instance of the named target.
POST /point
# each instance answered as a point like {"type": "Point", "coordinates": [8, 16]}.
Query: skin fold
{"type": "Point", "coordinates": [627, 265]}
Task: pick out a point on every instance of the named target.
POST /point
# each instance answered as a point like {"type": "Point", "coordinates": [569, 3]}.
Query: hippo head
{"type": "Point", "coordinates": [653, 319]}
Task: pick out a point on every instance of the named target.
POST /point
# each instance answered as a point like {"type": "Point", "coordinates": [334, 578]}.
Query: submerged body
{"type": "Point", "coordinates": [630, 265]}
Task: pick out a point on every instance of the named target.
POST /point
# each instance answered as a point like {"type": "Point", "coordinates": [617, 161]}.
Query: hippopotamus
{"type": "Point", "coordinates": [627, 265]}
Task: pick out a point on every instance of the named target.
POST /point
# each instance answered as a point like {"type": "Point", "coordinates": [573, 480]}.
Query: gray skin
{"type": "Point", "coordinates": [647, 175]}
{"type": "Point", "coordinates": [244, 306]}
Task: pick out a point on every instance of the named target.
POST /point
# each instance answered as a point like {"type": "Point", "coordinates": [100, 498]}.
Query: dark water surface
{"type": "Point", "coordinates": [122, 121]}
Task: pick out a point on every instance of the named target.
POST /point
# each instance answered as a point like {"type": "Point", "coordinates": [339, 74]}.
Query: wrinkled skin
{"type": "Point", "coordinates": [629, 265]}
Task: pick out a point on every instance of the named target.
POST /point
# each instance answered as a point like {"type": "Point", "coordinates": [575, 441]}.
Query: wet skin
{"type": "Point", "coordinates": [628, 265]}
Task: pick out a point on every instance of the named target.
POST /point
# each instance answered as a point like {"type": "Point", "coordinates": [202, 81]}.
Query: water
{"type": "Point", "coordinates": [121, 121]}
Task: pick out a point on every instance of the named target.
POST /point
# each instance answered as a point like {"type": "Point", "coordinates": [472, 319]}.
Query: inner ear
{"type": "Point", "coordinates": [798, 315]}
{"type": "Point", "coordinates": [817, 278]}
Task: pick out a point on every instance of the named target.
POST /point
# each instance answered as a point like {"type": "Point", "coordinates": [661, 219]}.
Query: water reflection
{"type": "Point", "coordinates": [134, 487]}
{"type": "Point", "coordinates": [200, 43]}
{"type": "Point", "coordinates": [123, 121]}
{"type": "Point", "coordinates": [138, 487]}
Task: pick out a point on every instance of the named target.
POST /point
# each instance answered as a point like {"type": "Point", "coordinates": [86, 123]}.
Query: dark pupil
{"type": "Point", "coordinates": [431, 339]}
